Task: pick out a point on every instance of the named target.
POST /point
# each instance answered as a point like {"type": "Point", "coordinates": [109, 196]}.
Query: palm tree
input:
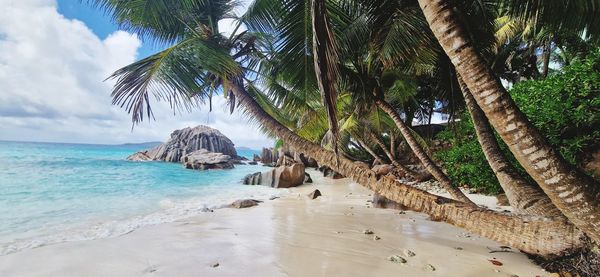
{"type": "Point", "coordinates": [572, 191]}
{"type": "Point", "coordinates": [522, 196]}
{"type": "Point", "coordinates": [182, 75]}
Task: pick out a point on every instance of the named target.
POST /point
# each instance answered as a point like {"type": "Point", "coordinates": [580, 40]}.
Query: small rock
{"type": "Point", "coordinates": [207, 210]}
{"type": "Point", "coordinates": [430, 267]}
{"type": "Point", "coordinates": [307, 178]}
{"type": "Point", "coordinates": [244, 203]}
{"type": "Point", "coordinates": [458, 248]}
{"type": "Point", "coordinates": [214, 265]}
{"type": "Point", "coordinates": [313, 195]}
{"type": "Point", "coordinates": [368, 232]}
{"type": "Point", "coordinates": [376, 238]}
{"type": "Point", "coordinates": [497, 271]}
{"type": "Point", "coordinates": [514, 275]}
{"type": "Point", "coordinates": [273, 197]}
{"type": "Point", "coordinates": [397, 259]}
{"type": "Point", "coordinates": [409, 253]}
{"type": "Point", "coordinates": [401, 212]}
{"type": "Point", "coordinates": [496, 263]}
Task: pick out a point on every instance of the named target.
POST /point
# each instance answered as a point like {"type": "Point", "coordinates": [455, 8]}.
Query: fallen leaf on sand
{"type": "Point", "coordinates": [494, 262]}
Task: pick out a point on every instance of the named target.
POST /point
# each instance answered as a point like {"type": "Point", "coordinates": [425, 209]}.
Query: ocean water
{"type": "Point", "coordinates": [52, 193]}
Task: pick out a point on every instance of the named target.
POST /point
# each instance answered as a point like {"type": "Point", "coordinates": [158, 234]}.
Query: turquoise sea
{"type": "Point", "coordinates": [53, 192]}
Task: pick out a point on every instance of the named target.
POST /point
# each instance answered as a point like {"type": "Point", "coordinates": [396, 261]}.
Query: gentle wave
{"type": "Point", "coordinates": [171, 210]}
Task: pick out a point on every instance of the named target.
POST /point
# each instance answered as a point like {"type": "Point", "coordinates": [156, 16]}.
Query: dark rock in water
{"type": "Point", "coordinates": [253, 179]}
{"type": "Point", "coordinates": [244, 203]}
{"type": "Point", "coordinates": [203, 159]}
{"type": "Point", "coordinates": [139, 156]}
{"type": "Point", "coordinates": [207, 210]}
{"type": "Point", "coordinates": [256, 158]}
{"type": "Point", "coordinates": [188, 140]}
{"type": "Point", "coordinates": [307, 178]}
{"type": "Point", "coordinates": [382, 202]}
{"type": "Point", "coordinates": [269, 156]}
{"type": "Point", "coordinates": [313, 195]}
{"type": "Point", "coordinates": [252, 163]}
{"type": "Point", "coordinates": [236, 161]}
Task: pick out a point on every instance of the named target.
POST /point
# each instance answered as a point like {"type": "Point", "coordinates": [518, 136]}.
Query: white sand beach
{"type": "Point", "coordinates": [289, 236]}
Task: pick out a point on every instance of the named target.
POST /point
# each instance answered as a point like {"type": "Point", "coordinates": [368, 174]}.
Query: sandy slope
{"type": "Point", "coordinates": [290, 236]}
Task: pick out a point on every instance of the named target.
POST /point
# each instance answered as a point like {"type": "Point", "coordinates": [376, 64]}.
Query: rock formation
{"type": "Point", "coordinates": [328, 172]}
{"type": "Point", "coordinates": [188, 140]}
{"type": "Point", "coordinates": [280, 177]}
{"type": "Point", "coordinates": [314, 194]}
{"type": "Point", "coordinates": [269, 156]}
{"type": "Point", "coordinates": [244, 203]}
{"type": "Point", "coordinates": [203, 159]}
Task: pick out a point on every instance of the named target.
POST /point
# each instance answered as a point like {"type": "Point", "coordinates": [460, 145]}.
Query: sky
{"type": "Point", "coordinates": [54, 58]}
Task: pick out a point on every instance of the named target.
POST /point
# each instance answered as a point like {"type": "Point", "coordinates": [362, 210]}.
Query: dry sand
{"type": "Point", "coordinates": [289, 236]}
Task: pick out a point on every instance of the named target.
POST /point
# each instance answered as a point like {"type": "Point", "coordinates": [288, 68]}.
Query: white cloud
{"type": "Point", "coordinates": [51, 84]}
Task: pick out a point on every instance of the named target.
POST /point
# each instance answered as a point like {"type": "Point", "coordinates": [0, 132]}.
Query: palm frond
{"type": "Point", "coordinates": [180, 74]}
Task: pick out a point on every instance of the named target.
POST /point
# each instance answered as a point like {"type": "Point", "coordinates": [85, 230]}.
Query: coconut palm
{"type": "Point", "coordinates": [360, 71]}
{"type": "Point", "coordinates": [183, 76]}
{"type": "Point", "coordinates": [572, 191]}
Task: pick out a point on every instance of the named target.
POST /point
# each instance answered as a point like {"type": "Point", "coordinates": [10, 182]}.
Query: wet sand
{"type": "Point", "coordinates": [289, 236]}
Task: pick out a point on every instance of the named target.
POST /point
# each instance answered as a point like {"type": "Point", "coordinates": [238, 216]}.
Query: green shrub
{"type": "Point", "coordinates": [564, 107]}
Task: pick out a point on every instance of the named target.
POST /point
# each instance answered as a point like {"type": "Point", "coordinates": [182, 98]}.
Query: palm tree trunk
{"type": "Point", "coordinates": [573, 192]}
{"type": "Point", "coordinates": [522, 196]}
{"type": "Point", "coordinates": [393, 144]}
{"type": "Point", "coordinates": [534, 235]}
{"type": "Point", "coordinates": [435, 170]}
{"type": "Point", "coordinates": [395, 162]}
{"type": "Point", "coordinates": [366, 147]}
{"type": "Point", "coordinates": [547, 51]}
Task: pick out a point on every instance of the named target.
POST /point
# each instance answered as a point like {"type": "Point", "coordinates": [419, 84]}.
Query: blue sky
{"type": "Point", "coordinates": [54, 58]}
{"type": "Point", "coordinates": [98, 21]}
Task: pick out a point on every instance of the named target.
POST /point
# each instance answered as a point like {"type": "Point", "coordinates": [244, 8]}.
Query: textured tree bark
{"type": "Point", "coordinates": [534, 235]}
{"type": "Point", "coordinates": [395, 162]}
{"type": "Point", "coordinates": [393, 144]}
{"type": "Point", "coordinates": [435, 170]}
{"type": "Point", "coordinates": [524, 197]}
{"type": "Point", "coordinates": [573, 192]}
{"type": "Point", "coordinates": [366, 147]}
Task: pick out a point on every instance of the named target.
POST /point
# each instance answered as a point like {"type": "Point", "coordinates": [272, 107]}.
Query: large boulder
{"type": "Point", "coordinates": [139, 157]}
{"type": "Point", "coordinates": [269, 156]}
{"type": "Point", "coordinates": [188, 140]}
{"type": "Point", "coordinates": [280, 177]}
{"type": "Point", "coordinates": [204, 159]}
{"type": "Point", "coordinates": [253, 179]}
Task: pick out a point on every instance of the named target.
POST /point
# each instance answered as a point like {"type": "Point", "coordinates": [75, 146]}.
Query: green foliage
{"type": "Point", "coordinates": [564, 107]}
{"type": "Point", "coordinates": [465, 162]}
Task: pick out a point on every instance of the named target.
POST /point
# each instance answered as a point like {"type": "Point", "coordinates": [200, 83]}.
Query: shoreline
{"type": "Point", "coordinates": [288, 236]}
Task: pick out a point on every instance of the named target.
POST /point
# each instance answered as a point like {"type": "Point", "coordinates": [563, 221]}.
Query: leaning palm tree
{"type": "Point", "coordinates": [182, 75]}
{"type": "Point", "coordinates": [357, 71]}
{"type": "Point", "coordinates": [572, 191]}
